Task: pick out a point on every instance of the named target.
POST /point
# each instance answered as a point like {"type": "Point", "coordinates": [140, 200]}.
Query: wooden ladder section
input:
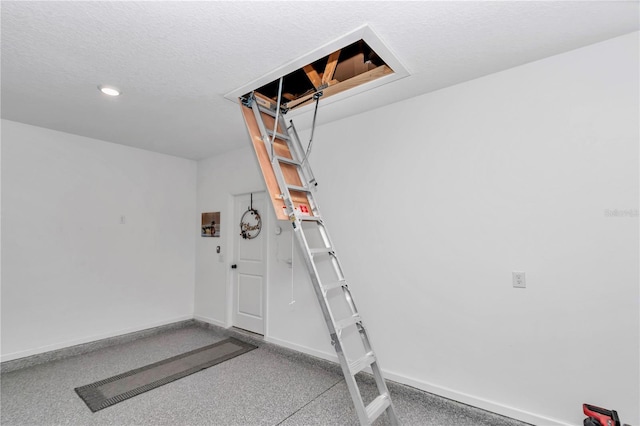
{"type": "Point", "coordinates": [281, 149]}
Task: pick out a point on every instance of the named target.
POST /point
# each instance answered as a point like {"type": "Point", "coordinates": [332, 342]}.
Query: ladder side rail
{"type": "Point", "coordinates": [378, 377]}
{"type": "Point", "coordinates": [298, 156]}
{"type": "Point", "coordinates": [303, 157]}
{"type": "Point", "coordinates": [314, 275]}
{"type": "Point", "coordinates": [337, 266]}
{"type": "Point", "coordinates": [297, 147]}
{"type": "Point", "coordinates": [263, 129]}
{"type": "Point", "coordinates": [324, 234]}
{"type": "Point", "coordinates": [295, 153]}
{"type": "Point", "coordinates": [301, 151]}
{"type": "Point", "coordinates": [257, 110]}
{"type": "Point", "coordinates": [381, 384]}
{"type": "Point", "coordinates": [375, 368]}
{"type": "Point", "coordinates": [364, 335]}
{"type": "Point", "coordinates": [282, 184]}
{"type": "Point", "coordinates": [330, 322]}
{"type": "Point", "coordinates": [325, 237]}
{"type": "Point", "coordinates": [366, 343]}
{"type": "Point", "coordinates": [304, 172]}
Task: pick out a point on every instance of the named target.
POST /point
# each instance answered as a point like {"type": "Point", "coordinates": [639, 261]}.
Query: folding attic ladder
{"type": "Point", "coordinates": [290, 183]}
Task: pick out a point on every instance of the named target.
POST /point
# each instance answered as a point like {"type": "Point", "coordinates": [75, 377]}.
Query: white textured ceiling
{"type": "Point", "coordinates": [174, 61]}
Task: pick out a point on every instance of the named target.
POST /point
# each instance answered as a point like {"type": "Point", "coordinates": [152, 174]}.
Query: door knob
{"type": "Point", "coordinates": [234, 266]}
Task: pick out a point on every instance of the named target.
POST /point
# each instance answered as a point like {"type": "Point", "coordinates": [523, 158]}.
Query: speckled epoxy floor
{"type": "Point", "coordinates": [267, 386]}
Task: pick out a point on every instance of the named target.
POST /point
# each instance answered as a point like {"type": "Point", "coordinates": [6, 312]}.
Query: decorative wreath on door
{"type": "Point", "coordinates": [250, 223]}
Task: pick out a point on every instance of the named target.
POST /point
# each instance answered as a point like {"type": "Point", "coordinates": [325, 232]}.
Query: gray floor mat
{"type": "Point", "coordinates": [107, 392]}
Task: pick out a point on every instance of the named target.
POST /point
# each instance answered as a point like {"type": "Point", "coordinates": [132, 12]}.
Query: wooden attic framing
{"type": "Point", "coordinates": [344, 69]}
{"type": "Point", "coordinates": [337, 72]}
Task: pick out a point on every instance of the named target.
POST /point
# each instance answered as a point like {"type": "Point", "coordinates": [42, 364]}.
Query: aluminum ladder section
{"type": "Point", "coordinates": [348, 320]}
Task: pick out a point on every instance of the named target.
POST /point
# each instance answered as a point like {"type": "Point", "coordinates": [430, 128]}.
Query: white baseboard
{"type": "Point", "coordinates": [211, 321]}
{"type": "Point", "coordinates": [464, 398]}
{"type": "Point", "coordinates": [88, 339]}
{"type": "Point", "coordinates": [475, 401]}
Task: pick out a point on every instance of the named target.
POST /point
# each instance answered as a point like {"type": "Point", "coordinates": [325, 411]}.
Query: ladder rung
{"type": "Point", "coordinates": [278, 135]}
{"type": "Point", "coordinates": [310, 218]}
{"type": "Point", "coordinates": [268, 111]}
{"type": "Point", "coordinates": [298, 188]}
{"type": "Point", "coordinates": [353, 319]}
{"type": "Point", "coordinates": [332, 286]}
{"type": "Point", "coordinates": [287, 160]}
{"type": "Point", "coordinates": [324, 250]}
{"type": "Point", "coordinates": [362, 363]}
{"type": "Point", "coordinates": [378, 406]}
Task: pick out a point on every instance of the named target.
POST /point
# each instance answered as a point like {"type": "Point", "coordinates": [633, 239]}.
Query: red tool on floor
{"type": "Point", "coordinates": [597, 416]}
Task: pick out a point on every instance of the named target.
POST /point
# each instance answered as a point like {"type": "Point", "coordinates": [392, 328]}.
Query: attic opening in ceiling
{"type": "Point", "coordinates": [341, 70]}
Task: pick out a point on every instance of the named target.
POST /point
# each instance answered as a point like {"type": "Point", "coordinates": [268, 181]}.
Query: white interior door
{"type": "Point", "coordinates": [250, 272]}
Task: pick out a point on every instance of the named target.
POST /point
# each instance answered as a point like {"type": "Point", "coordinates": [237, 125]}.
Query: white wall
{"type": "Point", "coordinates": [72, 272]}
{"type": "Point", "coordinates": [434, 201]}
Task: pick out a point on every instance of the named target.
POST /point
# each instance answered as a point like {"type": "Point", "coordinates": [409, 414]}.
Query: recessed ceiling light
{"type": "Point", "coordinates": [107, 90]}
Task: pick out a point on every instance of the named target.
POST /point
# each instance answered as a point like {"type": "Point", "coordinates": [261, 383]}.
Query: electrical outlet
{"type": "Point", "coordinates": [519, 279]}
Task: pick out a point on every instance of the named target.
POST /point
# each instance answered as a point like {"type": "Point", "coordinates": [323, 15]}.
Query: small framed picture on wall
{"type": "Point", "coordinates": [210, 224]}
